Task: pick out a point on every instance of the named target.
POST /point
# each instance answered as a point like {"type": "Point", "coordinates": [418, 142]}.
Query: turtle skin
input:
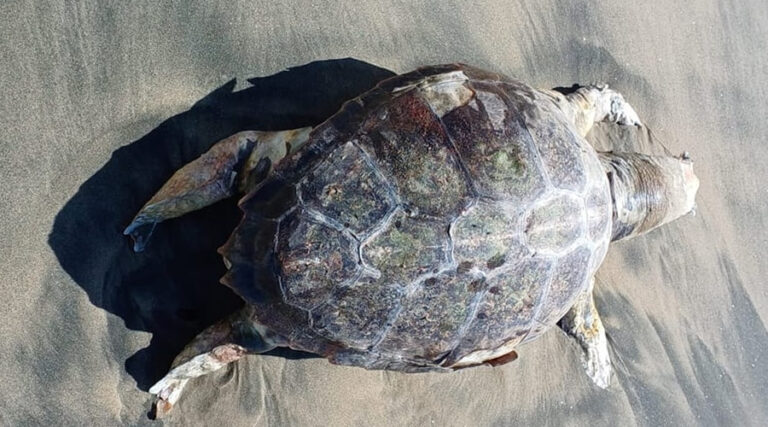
{"type": "Point", "coordinates": [434, 222]}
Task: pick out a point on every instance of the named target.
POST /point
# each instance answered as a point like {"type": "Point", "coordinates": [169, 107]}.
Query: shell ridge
{"type": "Point", "coordinates": [542, 298]}
{"type": "Point", "coordinates": [474, 306]}
{"type": "Point", "coordinates": [454, 149]}
{"type": "Point", "coordinates": [537, 158]}
{"type": "Point", "coordinates": [451, 229]}
{"type": "Point", "coordinates": [416, 285]}
{"type": "Point", "coordinates": [545, 199]}
{"type": "Point", "coordinates": [378, 230]}
{"type": "Point", "coordinates": [454, 356]}
{"type": "Point", "coordinates": [276, 243]}
{"type": "Point", "coordinates": [394, 196]}
{"type": "Point", "coordinates": [390, 323]}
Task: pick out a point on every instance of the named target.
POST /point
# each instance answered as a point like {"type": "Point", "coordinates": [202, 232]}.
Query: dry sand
{"type": "Point", "coordinates": [99, 104]}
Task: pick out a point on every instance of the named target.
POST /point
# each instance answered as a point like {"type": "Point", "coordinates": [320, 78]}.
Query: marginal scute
{"type": "Point", "coordinates": [487, 236]}
{"type": "Point", "coordinates": [599, 254]}
{"type": "Point", "coordinates": [271, 200]}
{"type": "Point", "coordinates": [345, 188]}
{"type": "Point", "coordinates": [375, 360]}
{"type": "Point", "coordinates": [314, 259]}
{"type": "Point", "coordinates": [495, 108]}
{"type": "Point", "coordinates": [407, 248]}
{"type": "Point", "coordinates": [428, 325]}
{"type": "Point", "coordinates": [495, 147]}
{"type": "Point", "coordinates": [476, 74]}
{"type": "Point", "coordinates": [505, 313]}
{"type": "Point", "coordinates": [409, 145]}
{"type": "Point", "coordinates": [594, 169]}
{"type": "Point", "coordinates": [599, 211]}
{"type": "Point", "coordinates": [554, 225]}
{"type": "Point", "coordinates": [598, 200]}
{"type": "Point", "coordinates": [446, 92]}
{"type": "Point", "coordinates": [249, 251]}
{"type": "Point", "coordinates": [569, 279]}
{"type": "Point", "coordinates": [357, 314]}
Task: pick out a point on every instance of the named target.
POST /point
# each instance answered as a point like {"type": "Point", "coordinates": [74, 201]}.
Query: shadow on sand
{"type": "Point", "coordinates": [171, 289]}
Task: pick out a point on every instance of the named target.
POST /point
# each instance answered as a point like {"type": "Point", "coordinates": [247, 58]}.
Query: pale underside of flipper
{"type": "Point", "coordinates": [588, 105]}
{"type": "Point", "coordinates": [214, 348]}
{"type": "Point", "coordinates": [582, 322]}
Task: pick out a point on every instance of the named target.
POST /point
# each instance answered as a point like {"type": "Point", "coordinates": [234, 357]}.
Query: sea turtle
{"type": "Point", "coordinates": [433, 223]}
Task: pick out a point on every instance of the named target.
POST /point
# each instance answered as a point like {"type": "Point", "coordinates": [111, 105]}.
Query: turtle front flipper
{"type": "Point", "coordinates": [234, 163]}
{"type": "Point", "coordinates": [587, 105]}
{"type": "Point", "coordinates": [582, 322]}
{"type": "Point", "coordinates": [214, 348]}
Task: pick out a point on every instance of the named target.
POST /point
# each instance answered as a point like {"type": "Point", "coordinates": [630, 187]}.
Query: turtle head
{"type": "Point", "coordinates": [649, 191]}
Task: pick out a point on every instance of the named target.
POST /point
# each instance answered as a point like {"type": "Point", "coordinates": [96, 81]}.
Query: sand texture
{"type": "Point", "coordinates": [101, 101]}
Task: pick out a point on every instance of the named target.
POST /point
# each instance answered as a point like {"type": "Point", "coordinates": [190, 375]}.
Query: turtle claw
{"type": "Point", "coordinates": [693, 210]}
{"type": "Point", "coordinates": [140, 232]}
{"type": "Point", "coordinates": [160, 409]}
{"type": "Point", "coordinates": [168, 391]}
{"type": "Point", "coordinates": [623, 113]}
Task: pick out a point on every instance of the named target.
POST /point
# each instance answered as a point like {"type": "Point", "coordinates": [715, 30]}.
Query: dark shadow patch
{"type": "Point", "coordinates": [171, 289]}
{"type": "Point", "coordinates": [568, 90]}
{"type": "Point", "coordinates": [618, 313]}
{"type": "Point", "coordinates": [745, 343]}
{"type": "Point", "coordinates": [649, 401]}
{"type": "Point", "coordinates": [717, 387]}
{"type": "Point", "coordinates": [693, 395]}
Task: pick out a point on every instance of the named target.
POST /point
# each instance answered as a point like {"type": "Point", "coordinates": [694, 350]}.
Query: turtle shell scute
{"type": "Point", "coordinates": [357, 314]}
{"type": "Point", "coordinates": [314, 259]}
{"type": "Point", "coordinates": [346, 189]}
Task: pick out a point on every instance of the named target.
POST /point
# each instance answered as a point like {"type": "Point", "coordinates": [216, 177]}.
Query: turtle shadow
{"type": "Point", "coordinates": [171, 289]}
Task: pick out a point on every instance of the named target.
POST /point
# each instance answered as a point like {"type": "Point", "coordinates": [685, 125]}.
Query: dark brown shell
{"type": "Point", "coordinates": [445, 212]}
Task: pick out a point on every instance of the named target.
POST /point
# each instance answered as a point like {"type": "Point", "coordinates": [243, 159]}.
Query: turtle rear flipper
{"type": "Point", "coordinates": [230, 165]}
{"type": "Point", "coordinates": [214, 348]}
{"type": "Point", "coordinates": [582, 322]}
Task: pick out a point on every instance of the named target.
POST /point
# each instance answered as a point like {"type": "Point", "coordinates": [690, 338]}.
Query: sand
{"type": "Point", "coordinates": [99, 104]}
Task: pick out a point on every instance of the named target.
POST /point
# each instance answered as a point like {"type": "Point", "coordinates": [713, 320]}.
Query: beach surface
{"type": "Point", "coordinates": [101, 101]}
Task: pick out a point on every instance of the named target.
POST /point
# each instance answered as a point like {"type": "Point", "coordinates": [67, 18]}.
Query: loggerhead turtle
{"type": "Point", "coordinates": [435, 222]}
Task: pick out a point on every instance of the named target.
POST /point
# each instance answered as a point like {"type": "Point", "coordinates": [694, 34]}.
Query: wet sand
{"type": "Point", "coordinates": [101, 104]}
